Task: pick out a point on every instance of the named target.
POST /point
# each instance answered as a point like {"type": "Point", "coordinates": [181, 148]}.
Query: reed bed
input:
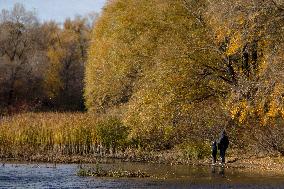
{"type": "Point", "coordinates": [77, 137]}
{"type": "Point", "coordinates": [50, 134]}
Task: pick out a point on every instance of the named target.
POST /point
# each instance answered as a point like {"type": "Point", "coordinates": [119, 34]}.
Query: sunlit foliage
{"type": "Point", "coordinates": [158, 63]}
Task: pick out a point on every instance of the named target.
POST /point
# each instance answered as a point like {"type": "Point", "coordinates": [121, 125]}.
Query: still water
{"type": "Point", "coordinates": [24, 175]}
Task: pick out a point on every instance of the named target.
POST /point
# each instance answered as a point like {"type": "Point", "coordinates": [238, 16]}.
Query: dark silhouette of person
{"type": "Point", "coordinates": [214, 151]}
{"type": "Point", "coordinates": [223, 145]}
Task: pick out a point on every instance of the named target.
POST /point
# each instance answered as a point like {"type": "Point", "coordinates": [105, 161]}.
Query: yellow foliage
{"type": "Point", "coordinates": [273, 109]}
{"type": "Point", "coordinates": [53, 82]}
{"type": "Point", "coordinates": [235, 44]}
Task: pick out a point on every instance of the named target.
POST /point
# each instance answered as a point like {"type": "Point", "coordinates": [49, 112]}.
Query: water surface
{"type": "Point", "coordinates": [23, 175]}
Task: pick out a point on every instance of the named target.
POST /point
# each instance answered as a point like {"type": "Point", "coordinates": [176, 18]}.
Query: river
{"type": "Point", "coordinates": [25, 175]}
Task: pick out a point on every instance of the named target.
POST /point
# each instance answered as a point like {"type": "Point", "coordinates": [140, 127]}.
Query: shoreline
{"type": "Point", "coordinates": [264, 163]}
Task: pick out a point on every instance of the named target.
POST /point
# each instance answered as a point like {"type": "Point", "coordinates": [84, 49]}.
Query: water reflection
{"type": "Point", "coordinates": [222, 171]}
{"type": "Point", "coordinates": [217, 171]}
{"type": "Point", "coordinates": [213, 169]}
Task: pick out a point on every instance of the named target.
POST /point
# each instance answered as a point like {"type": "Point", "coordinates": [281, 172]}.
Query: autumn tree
{"type": "Point", "coordinates": [155, 63]}
{"type": "Point", "coordinates": [42, 64]}
{"type": "Point", "coordinates": [147, 60]}
{"type": "Point", "coordinates": [252, 36]}
{"type": "Point", "coordinates": [67, 56]}
{"type": "Point", "coordinates": [19, 56]}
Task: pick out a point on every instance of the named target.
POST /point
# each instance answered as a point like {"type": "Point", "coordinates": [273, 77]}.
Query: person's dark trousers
{"type": "Point", "coordinates": [222, 155]}
{"type": "Point", "coordinates": [214, 158]}
{"type": "Point", "coordinates": [214, 152]}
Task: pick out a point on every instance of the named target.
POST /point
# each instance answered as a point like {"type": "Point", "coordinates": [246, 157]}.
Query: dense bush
{"type": "Point", "coordinates": [112, 133]}
{"type": "Point", "coordinates": [195, 150]}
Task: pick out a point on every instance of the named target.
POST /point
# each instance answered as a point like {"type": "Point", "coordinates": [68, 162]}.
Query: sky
{"type": "Point", "coordinates": [57, 10]}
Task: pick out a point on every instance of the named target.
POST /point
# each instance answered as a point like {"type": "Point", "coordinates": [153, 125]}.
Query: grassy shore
{"type": "Point", "coordinates": [54, 136]}
{"type": "Point", "coordinates": [81, 138]}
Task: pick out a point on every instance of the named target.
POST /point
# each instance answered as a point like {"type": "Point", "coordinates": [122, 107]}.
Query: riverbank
{"type": "Point", "coordinates": [80, 138]}
{"type": "Point", "coordinates": [272, 163]}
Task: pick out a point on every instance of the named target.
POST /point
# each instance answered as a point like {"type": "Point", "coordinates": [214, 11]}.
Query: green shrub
{"type": "Point", "coordinates": [112, 133]}
{"type": "Point", "coordinates": [195, 150]}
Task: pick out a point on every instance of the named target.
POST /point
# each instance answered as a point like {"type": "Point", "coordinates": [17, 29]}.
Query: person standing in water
{"type": "Point", "coordinates": [223, 145]}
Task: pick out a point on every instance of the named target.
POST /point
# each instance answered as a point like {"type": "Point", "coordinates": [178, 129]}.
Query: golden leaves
{"type": "Point", "coordinates": [235, 44]}
{"type": "Point", "coordinates": [53, 82]}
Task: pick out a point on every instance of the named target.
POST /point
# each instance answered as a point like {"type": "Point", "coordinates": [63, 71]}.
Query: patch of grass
{"type": "Point", "coordinates": [195, 150]}
{"type": "Point", "coordinates": [111, 173]}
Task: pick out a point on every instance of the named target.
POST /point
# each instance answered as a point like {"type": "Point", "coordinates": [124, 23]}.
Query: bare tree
{"type": "Point", "coordinates": [18, 50]}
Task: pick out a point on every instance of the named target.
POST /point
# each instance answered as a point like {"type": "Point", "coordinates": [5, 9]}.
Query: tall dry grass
{"type": "Point", "coordinates": [50, 134]}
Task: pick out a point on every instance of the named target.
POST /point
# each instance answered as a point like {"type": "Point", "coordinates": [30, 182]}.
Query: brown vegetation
{"type": "Point", "coordinates": [41, 64]}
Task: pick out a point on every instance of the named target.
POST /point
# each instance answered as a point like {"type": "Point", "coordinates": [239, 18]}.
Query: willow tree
{"type": "Point", "coordinates": [252, 34]}
{"type": "Point", "coordinates": [124, 42]}
{"type": "Point", "coordinates": [177, 69]}
{"type": "Point", "coordinates": [147, 59]}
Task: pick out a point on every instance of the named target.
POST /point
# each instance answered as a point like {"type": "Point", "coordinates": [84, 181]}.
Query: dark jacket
{"type": "Point", "coordinates": [214, 147]}
{"type": "Point", "coordinates": [223, 141]}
